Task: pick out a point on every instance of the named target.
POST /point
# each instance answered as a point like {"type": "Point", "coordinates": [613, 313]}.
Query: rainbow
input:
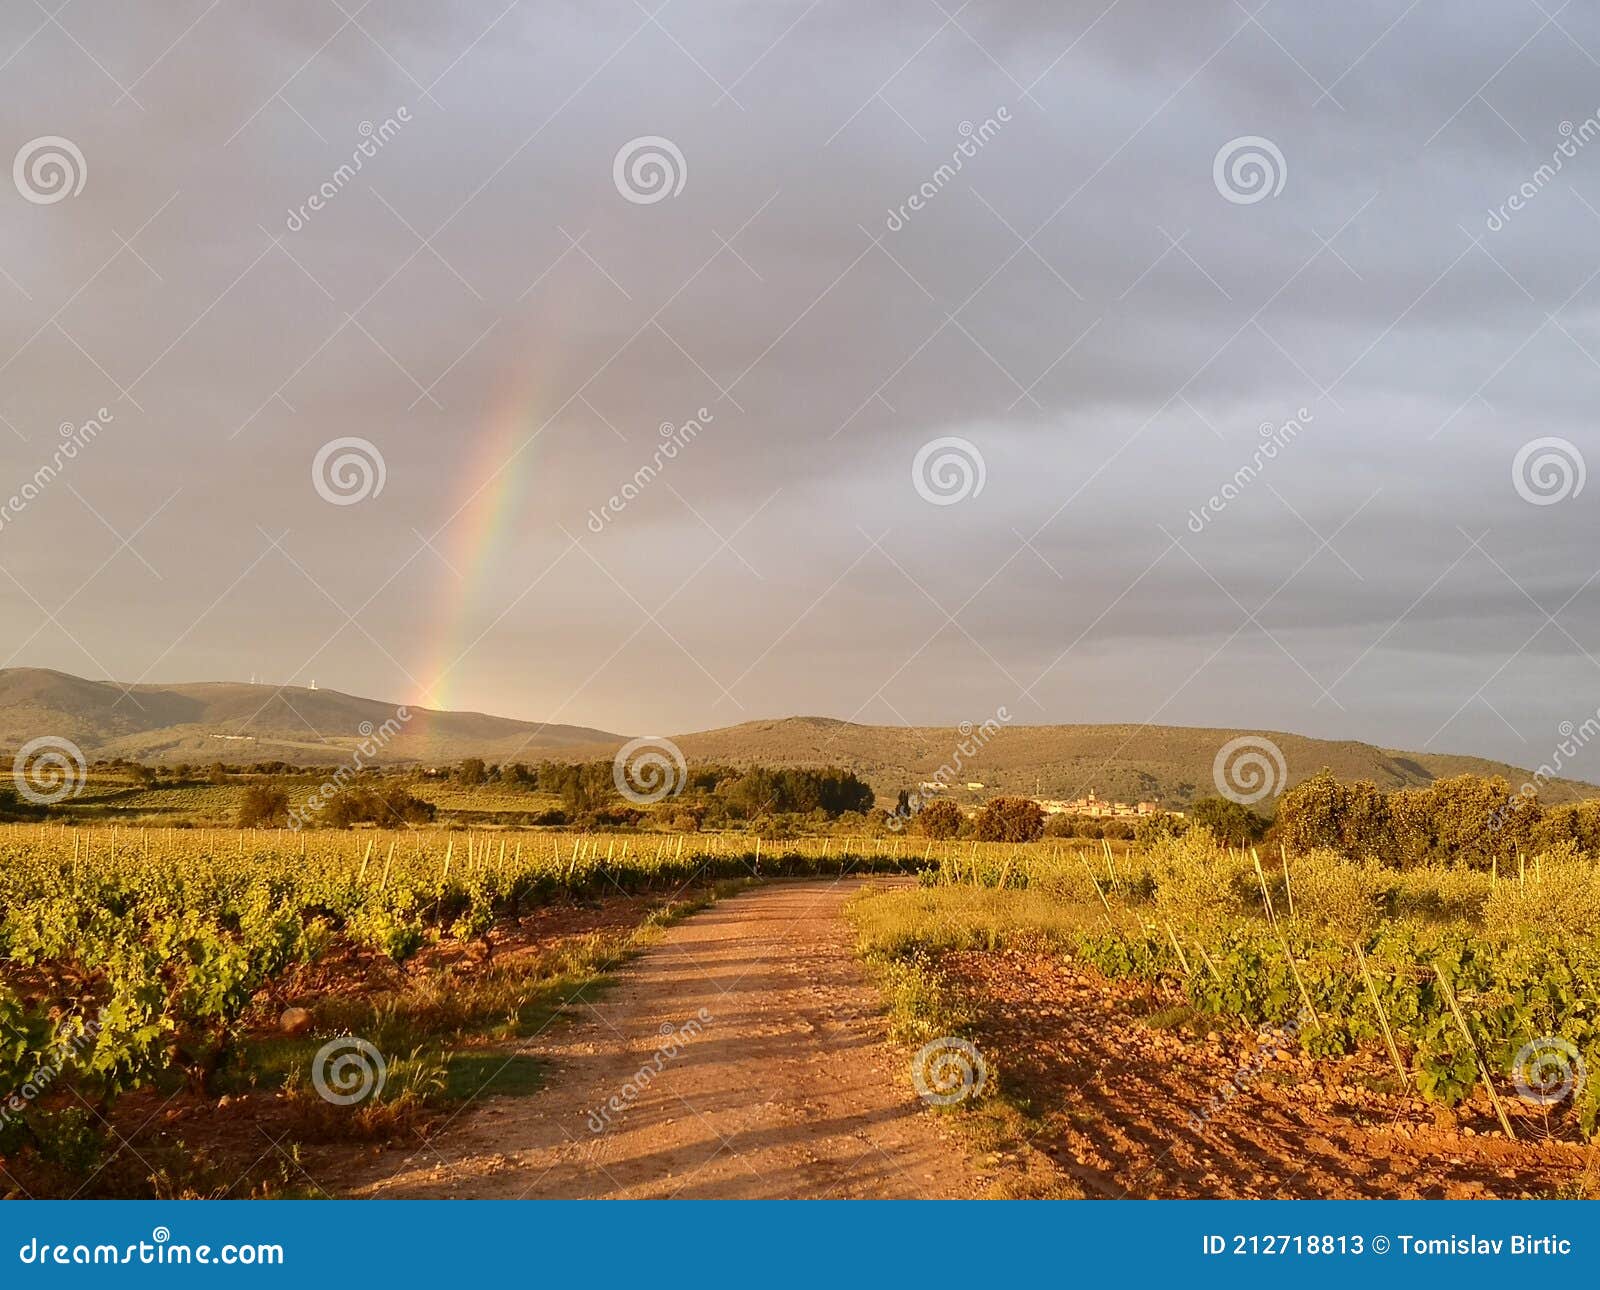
{"type": "Point", "coordinates": [487, 499]}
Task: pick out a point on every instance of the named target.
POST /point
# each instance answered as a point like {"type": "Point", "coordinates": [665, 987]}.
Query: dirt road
{"type": "Point", "coordinates": [743, 1055]}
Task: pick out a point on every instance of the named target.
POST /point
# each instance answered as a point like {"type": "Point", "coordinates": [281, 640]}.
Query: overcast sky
{"type": "Point", "coordinates": [1099, 302]}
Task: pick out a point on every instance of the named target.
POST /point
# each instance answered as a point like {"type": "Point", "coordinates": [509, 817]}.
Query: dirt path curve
{"type": "Point", "coordinates": [781, 1084]}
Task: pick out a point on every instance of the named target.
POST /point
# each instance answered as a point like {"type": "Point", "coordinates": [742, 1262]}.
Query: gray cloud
{"type": "Point", "coordinates": [1078, 301]}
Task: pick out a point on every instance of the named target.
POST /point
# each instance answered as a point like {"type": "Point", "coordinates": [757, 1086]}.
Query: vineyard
{"type": "Point", "coordinates": [134, 959]}
{"type": "Point", "coordinates": [155, 963]}
{"type": "Point", "coordinates": [1465, 985]}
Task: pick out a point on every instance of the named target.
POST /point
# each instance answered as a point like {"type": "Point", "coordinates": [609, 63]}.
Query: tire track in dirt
{"type": "Point", "coordinates": [784, 1086]}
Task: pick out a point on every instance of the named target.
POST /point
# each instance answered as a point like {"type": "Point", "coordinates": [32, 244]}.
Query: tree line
{"type": "Point", "coordinates": [1467, 819]}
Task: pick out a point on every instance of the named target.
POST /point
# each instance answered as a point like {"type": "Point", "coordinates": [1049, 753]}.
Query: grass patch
{"type": "Point", "coordinates": [901, 936]}
{"type": "Point", "coordinates": [459, 1019]}
{"type": "Point", "coordinates": [470, 1075]}
{"type": "Point", "coordinates": [1182, 1019]}
{"type": "Point", "coordinates": [935, 920]}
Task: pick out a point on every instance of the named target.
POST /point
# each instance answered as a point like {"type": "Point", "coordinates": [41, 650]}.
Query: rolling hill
{"type": "Point", "coordinates": [232, 722]}
{"type": "Point", "coordinates": [1169, 764]}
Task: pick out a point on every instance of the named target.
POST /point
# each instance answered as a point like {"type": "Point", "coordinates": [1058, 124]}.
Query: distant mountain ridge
{"type": "Point", "coordinates": [1169, 764]}
{"type": "Point", "coordinates": [230, 721]}
{"type": "Point", "coordinates": [233, 722]}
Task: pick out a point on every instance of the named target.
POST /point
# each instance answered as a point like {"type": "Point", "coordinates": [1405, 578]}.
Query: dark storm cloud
{"type": "Point", "coordinates": [1078, 301]}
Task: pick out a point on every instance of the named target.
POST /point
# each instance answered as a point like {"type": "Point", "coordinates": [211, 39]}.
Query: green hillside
{"type": "Point", "coordinates": [1169, 764]}
{"type": "Point", "coordinates": [233, 722]}
{"type": "Point", "coordinates": [236, 723]}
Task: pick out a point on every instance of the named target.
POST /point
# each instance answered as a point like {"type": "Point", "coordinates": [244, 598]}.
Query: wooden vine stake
{"type": "Point", "coordinates": [362, 872]}
{"type": "Point", "coordinates": [1294, 971]}
{"type": "Point", "coordinates": [383, 882]}
{"type": "Point", "coordinates": [1266, 896]}
{"type": "Point", "coordinates": [1383, 1017]}
{"type": "Point", "coordinates": [1483, 1066]}
{"type": "Point", "coordinates": [1288, 954]}
{"type": "Point", "coordinates": [1095, 883]}
{"type": "Point", "coordinates": [1178, 948]}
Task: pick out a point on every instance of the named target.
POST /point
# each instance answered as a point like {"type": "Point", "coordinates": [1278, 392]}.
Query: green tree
{"type": "Point", "coordinates": [386, 805]}
{"type": "Point", "coordinates": [1152, 828]}
{"type": "Point", "coordinates": [264, 806]}
{"type": "Point", "coordinates": [1229, 821]}
{"type": "Point", "coordinates": [1010, 819]}
{"type": "Point", "coordinates": [1481, 821]}
{"type": "Point", "coordinates": [940, 818]}
{"type": "Point", "coordinates": [1309, 814]}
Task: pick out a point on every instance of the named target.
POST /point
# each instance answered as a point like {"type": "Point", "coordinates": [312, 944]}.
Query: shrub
{"type": "Point", "coordinates": [1010, 819]}
{"type": "Point", "coordinates": [1154, 828]}
{"type": "Point", "coordinates": [1331, 892]}
{"type": "Point", "coordinates": [1466, 818]}
{"type": "Point", "coordinates": [388, 806]}
{"type": "Point", "coordinates": [264, 806]}
{"type": "Point", "coordinates": [940, 818]}
{"type": "Point", "coordinates": [1235, 824]}
{"type": "Point", "coordinates": [1557, 895]}
{"type": "Point", "coordinates": [1199, 882]}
